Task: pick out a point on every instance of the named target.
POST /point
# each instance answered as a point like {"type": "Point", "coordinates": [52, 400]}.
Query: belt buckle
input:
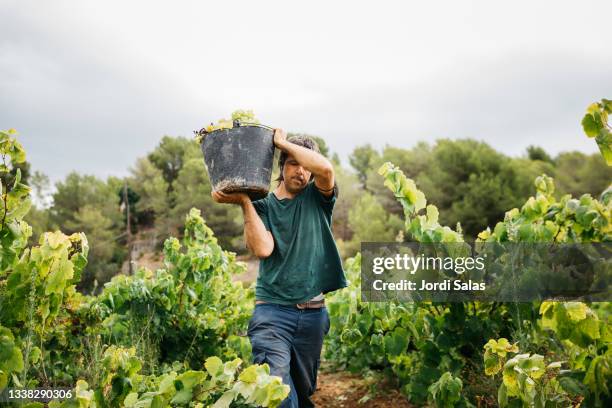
{"type": "Point", "coordinates": [301, 306]}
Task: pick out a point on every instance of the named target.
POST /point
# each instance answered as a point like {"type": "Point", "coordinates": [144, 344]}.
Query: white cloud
{"type": "Point", "coordinates": [91, 86]}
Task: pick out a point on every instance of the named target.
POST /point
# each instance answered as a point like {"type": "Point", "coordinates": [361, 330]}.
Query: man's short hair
{"type": "Point", "coordinates": [300, 140]}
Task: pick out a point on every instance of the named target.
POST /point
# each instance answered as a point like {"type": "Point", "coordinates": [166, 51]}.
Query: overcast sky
{"type": "Point", "coordinates": [91, 86]}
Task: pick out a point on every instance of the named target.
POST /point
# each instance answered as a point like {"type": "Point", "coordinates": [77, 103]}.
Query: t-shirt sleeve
{"type": "Point", "coordinates": [327, 203]}
{"type": "Point", "coordinates": [261, 207]}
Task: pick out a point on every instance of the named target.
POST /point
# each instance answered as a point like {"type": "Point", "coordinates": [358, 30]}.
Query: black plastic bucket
{"type": "Point", "coordinates": [240, 159]}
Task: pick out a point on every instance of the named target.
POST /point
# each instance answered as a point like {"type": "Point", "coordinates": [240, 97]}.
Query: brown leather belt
{"type": "Point", "coordinates": [311, 304]}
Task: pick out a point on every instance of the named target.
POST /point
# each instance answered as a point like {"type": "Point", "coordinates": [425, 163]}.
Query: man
{"type": "Point", "coordinates": [290, 231]}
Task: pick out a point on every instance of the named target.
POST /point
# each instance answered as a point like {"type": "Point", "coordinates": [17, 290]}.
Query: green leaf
{"type": "Point", "coordinates": [384, 169]}
{"type": "Point", "coordinates": [191, 378]}
{"type": "Point", "coordinates": [589, 328]}
{"type": "Point", "coordinates": [120, 386]}
{"type": "Point", "coordinates": [249, 374]}
{"type": "Point", "coordinates": [3, 380]}
{"type": "Point", "coordinates": [166, 385]}
{"type": "Point", "coordinates": [502, 396]}
{"type": "Point", "coordinates": [17, 178]}
{"type": "Point", "coordinates": [54, 239]}
{"type": "Point", "coordinates": [501, 347]}
{"type": "Point", "coordinates": [35, 354]}
{"type": "Point", "coordinates": [432, 215]}
{"type": "Point", "coordinates": [572, 386]}
{"type": "Point", "coordinates": [590, 126]}
{"type": "Point", "coordinates": [225, 400]}
{"type": "Point", "coordinates": [183, 396]}
{"type": "Point", "coordinates": [597, 375]}
{"type": "Point", "coordinates": [158, 402]}
{"type": "Point", "coordinates": [213, 365]}
{"type": "Point", "coordinates": [33, 405]}
{"type": "Point", "coordinates": [546, 307]}
{"type": "Point", "coordinates": [576, 311]}
{"type": "Point", "coordinates": [130, 400]}
{"type": "Point", "coordinates": [16, 152]}
{"type": "Point", "coordinates": [492, 362]}
{"type": "Point", "coordinates": [230, 367]}
{"type": "Point", "coordinates": [11, 359]}
{"type": "Point", "coordinates": [396, 342]}
{"type": "Point", "coordinates": [60, 274]}
{"type": "Point", "coordinates": [82, 393]}
{"type": "Point", "coordinates": [604, 142]}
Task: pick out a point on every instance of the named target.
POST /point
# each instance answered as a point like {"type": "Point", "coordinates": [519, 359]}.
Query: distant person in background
{"type": "Point", "coordinates": [290, 231]}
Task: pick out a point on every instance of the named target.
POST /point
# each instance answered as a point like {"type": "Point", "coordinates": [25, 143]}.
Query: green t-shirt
{"type": "Point", "coordinates": [305, 260]}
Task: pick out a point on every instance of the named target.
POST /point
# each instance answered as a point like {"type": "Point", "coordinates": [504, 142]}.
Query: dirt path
{"type": "Point", "coordinates": [344, 390]}
{"type": "Point", "coordinates": [252, 269]}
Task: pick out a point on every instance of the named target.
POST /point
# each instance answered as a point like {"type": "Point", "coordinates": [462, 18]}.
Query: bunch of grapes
{"type": "Point", "coordinates": [242, 116]}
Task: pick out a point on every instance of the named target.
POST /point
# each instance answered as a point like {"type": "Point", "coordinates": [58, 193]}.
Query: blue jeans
{"type": "Point", "coordinates": [290, 341]}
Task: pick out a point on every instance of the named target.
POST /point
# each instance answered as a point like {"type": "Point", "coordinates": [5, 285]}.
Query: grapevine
{"type": "Point", "coordinates": [424, 345]}
{"type": "Point", "coordinates": [190, 305]}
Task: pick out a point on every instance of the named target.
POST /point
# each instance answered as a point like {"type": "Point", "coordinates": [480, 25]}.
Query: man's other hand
{"type": "Point", "coordinates": [231, 198]}
{"type": "Point", "coordinates": [280, 137]}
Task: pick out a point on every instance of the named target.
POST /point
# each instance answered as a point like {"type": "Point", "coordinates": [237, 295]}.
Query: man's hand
{"type": "Point", "coordinates": [280, 138]}
{"type": "Point", "coordinates": [232, 198]}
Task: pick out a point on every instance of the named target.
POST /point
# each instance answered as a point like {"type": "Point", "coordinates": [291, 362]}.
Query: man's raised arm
{"type": "Point", "coordinates": [316, 163]}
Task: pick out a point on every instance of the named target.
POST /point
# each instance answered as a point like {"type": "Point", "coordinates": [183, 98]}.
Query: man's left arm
{"type": "Point", "coordinates": [316, 163]}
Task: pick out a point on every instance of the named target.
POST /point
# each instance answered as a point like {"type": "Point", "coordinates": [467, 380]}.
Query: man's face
{"type": "Point", "coordinates": [295, 176]}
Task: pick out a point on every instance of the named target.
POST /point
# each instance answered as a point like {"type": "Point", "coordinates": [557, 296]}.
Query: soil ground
{"type": "Point", "coordinates": [345, 390]}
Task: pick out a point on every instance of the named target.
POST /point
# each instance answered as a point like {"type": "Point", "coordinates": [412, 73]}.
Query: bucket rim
{"type": "Point", "coordinates": [241, 125]}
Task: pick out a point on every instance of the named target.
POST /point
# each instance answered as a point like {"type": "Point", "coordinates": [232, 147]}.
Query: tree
{"type": "Point", "coordinates": [412, 161]}
{"type": "Point", "coordinates": [38, 216]}
{"type": "Point", "coordinates": [128, 198]}
{"type": "Point", "coordinates": [460, 178]}
{"type": "Point", "coordinates": [349, 191]}
{"type": "Point", "coordinates": [538, 153]}
{"type": "Point", "coordinates": [471, 182]}
{"type": "Point", "coordinates": [41, 188]}
{"type": "Point", "coordinates": [577, 173]}
{"type": "Point", "coordinates": [370, 222]}
{"type": "Point", "coordinates": [76, 191]}
{"type": "Point", "coordinates": [102, 263]}
{"type": "Point", "coordinates": [84, 203]}
{"type": "Point", "coordinates": [193, 189]}
{"type": "Point", "coordinates": [148, 182]}
{"type": "Point", "coordinates": [169, 157]}
{"type": "Point", "coordinates": [362, 159]}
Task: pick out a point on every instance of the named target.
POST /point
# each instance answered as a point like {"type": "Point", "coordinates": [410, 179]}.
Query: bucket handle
{"type": "Point", "coordinates": [200, 134]}
{"type": "Point", "coordinates": [237, 123]}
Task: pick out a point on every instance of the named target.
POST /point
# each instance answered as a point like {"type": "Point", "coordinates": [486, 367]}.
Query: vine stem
{"type": "Point", "coordinates": [42, 353]}
{"type": "Point", "coordinates": [4, 197]}
{"type": "Point", "coordinates": [146, 328]}
{"type": "Point", "coordinates": [181, 291]}
{"type": "Point", "coordinates": [216, 387]}
{"type": "Point", "coordinates": [192, 342]}
{"type": "Point", "coordinates": [42, 344]}
{"type": "Point", "coordinates": [28, 348]}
